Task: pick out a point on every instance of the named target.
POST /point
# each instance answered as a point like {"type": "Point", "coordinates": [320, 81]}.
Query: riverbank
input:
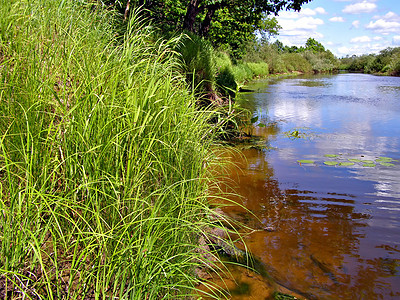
{"type": "Point", "coordinates": [104, 158]}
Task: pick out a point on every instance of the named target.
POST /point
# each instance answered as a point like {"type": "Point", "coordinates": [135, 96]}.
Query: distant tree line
{"type": "Point", "coordinates": [310, 58]}
{"type": "Point", "coordinates": [387, 62]}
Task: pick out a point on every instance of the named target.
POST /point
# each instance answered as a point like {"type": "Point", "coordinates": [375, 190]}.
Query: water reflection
{"type": "Point", "coordinates": [335, 230]}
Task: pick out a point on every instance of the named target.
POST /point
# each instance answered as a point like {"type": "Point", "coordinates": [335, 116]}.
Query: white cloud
{"type": "Point", "coordinates": [307, 23]}
{"type": "Point", "coordinates": [391, 16]}
{"type": "Point", "coordinates": [360, 49]}
{"type": "Point", "coordinates": [396, 40]}
{"type": "Point", "coordinates": [320, 10]}
{"type": "Point", "coordinates": [299, 38]}
{"type": "Point", "coordinates": [297, 27]}
{"type": "Point", "coordinates": [306, 12]}
{"type": "Point", "coordinates": [361, 39]}
{"type": "Point", "coordinates": [360, 8]}
{"type": "Point", "coordinates": [377, 38]}
{"type": "Point", "coordinates": [384, 27]}
{"type": "Point", "coordinates": [336, 19]}
{"type": "Point", "coordinates": [356, 23]}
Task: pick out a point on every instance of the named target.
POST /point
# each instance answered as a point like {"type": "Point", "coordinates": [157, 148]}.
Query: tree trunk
{"type": "Point", "coordinates": [205, 26]}
{"type": "Point", "coordinates": [192, 11]}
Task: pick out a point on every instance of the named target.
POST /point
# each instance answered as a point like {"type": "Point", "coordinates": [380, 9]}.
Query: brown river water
{"type": "Point", "coordinates": [321, 231]}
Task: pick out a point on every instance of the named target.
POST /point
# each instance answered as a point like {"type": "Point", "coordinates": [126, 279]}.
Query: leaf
{"type": "Point", "coordinates": [386, 164]}
{"type": "Point", "coordinates": [384, 159]}
{"type": "Point", "coordinates": [254, 119]}
{"type": "Point", "coordinates": [305, 161]}
{"type": "Point", "coordinates": [367, 161]}
{"type": "Point", "coordinates": [345, 164]}
{"type": "Point", "coordinates": [330, 163]}
{"type": "Point", "coordinates": [355, 160]}
{"type": "Point", "coordinates": [261, 125]}
{"type": "Point", "coordinates": [331, 155]}
{"type": "Point", "coordinates": [370, 165]}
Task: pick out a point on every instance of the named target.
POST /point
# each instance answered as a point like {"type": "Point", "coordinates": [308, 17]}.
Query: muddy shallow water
{"type": "Point", "coordinates": [325, 231]}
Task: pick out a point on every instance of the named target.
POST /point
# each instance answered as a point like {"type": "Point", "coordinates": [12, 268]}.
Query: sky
{"type": "Point", "coordinates": [345, 27]}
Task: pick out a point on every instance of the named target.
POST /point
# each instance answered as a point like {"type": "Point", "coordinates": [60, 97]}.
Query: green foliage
{"type": "Point", "coordinates": [296, 62]}
{"type": "Point", "coordinates": [386, 62]}
{"type": "Point", "coordinates": [224, 77]}
{"type": "Point", "coordinates": [198, 60]}
{"type": "Point", "coordinates": [230, 23]}
{"type": "Point", "coordinates": [321, 61]}
{"type": "Point", "coordinates": [259, 69]}
{"type": "Point", "coordinates": [314, 46]}
{"type": "Point", "coordinates": [242, 73]}
{"type": "Point", "coordinates": [105, 163]}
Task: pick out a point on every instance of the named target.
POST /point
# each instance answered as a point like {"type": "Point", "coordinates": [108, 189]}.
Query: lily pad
{"type": "Point", "coordinates": [384, 159]}
{"type": "Point", "coordinates": [386, 164]}
{"type": "Point", "coordinates": [370, 165]}
{"type": "Point", "coordinates": [355, 160]}
{"type": "Point", "coordinates": [346, 164]}
{"type": "Point", "coordinates": [261, 125]}
{"type": "Point", "coordinates": [331, 155]}
{"type": "Point", "coordinates": [367, 161]}
{"type": "Point", "coordinates": [305, 161]}
{"type": "Point", "coordinates": [330, 163]}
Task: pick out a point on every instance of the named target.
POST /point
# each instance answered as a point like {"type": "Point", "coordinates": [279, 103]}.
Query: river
{"type": "Point", "coordinates": [322, 187]}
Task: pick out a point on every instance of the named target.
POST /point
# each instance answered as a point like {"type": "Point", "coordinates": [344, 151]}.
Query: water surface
{"type": "Point", "coordinates": [333, 232]}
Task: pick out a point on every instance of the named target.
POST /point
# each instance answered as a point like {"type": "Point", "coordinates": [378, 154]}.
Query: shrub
{"type": "Point", "coordinates": [259, 69]}
{"type": "Point", "coordinates": [242, 73]}
{"type": "Point", "coordinates": [296, 62]}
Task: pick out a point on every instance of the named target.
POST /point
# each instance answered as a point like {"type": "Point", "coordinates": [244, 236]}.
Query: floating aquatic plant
{"type": "Point", "coordinates": [386, 164]}
{"type": "Point", "coordinates": [385, 159]}
{"type": "Point", "coordinates": [331, 155]}
{"type": "Point", "coordinates": [254, 119]}
{"type": "Point", "coordinates": [382, 160]}
{"type": "Point", "coordinates": [299, 133]}
{"type": "Point", "coordinates": [367, 161]}
{"type": "Point", "coordinates": [370, 165]}
{"type": "Point", "coordinates": [330, 163]}
{"type": "Point", "coordinates": [305, 161]}
{"type": "Point", "coordinates": [355, 160]}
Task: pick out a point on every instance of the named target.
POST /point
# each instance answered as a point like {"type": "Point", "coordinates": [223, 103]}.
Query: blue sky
{"type": "Point", "coordinates": [345, 27]}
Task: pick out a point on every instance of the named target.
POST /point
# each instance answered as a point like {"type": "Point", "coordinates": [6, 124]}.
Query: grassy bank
{"type": "Point", "coordinates": [213, 70]}
{"type": "Point", "coordinates": [104, 159]}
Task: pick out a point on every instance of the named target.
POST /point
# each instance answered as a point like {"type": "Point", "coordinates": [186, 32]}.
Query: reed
{"type": "Point", "coordinates": [104, 159]}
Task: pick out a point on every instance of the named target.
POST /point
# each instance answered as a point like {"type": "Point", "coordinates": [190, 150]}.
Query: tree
{"type": "Point", "coordinates": [223, 22]}
{"type": "Point", "coordinates": [255, 9]}
{"type": "Point", "coordinates": [314, 46]}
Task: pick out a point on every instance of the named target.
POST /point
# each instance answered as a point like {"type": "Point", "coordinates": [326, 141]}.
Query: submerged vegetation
{"type": "Point", "coordinates": [105, 162]}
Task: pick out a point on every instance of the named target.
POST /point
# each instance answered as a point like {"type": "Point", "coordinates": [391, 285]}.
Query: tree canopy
{"type": "Point", "coordinates": [223, 22]}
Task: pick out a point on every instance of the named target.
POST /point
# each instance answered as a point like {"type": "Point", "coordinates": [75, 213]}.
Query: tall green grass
{"type": "Point", "coordinates": [104, 159]}
{"type": "Point", "coordinates": [199, 62]}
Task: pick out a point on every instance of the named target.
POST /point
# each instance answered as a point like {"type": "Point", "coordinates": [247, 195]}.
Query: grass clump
{"type": "Point", "coordinates": [104, 159]}
{"type": "Point", "coordinates": [199, 62]}
{"type": "Point", "coordinates": [259, 69]}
